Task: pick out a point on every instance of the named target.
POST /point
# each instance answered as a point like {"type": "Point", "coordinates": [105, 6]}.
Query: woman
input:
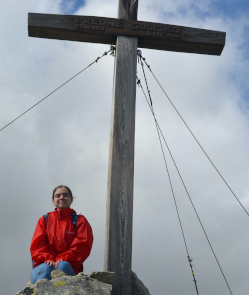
{"type": "Point", "coordinates": [62, 240]}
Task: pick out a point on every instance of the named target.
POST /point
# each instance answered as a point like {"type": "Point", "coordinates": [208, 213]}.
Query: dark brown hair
{"type": "Point", "coordinates": [60, 186]}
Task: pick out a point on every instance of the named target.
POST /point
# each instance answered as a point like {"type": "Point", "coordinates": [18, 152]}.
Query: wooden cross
{"type": "Point", "coordinates": [127, 33]}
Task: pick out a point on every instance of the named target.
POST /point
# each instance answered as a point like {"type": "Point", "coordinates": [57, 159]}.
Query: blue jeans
{"type": "Point", "coordinates": [43, 271]}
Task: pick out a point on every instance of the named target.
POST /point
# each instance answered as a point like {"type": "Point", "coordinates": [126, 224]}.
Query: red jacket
{"type": "Point", "coordinates": [57, 239]}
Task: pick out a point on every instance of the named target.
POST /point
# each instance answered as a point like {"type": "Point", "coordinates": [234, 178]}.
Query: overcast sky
{"type": "Point", "coordinates": [65, 140]}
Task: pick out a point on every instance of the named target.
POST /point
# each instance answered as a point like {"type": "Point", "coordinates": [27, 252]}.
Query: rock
{"type": "Point", "coordinates": [68, 285]}
{"type": "Point", "coordinates": [28, 284]}
{"type": "Point", "coordinates": [57, 274]}
{"type": "Point", "coordinates": [102, 276]}
{"type": "Point", "coordinates": [96, 283]}
{"type": "Point", "coordinates": [137, 286]}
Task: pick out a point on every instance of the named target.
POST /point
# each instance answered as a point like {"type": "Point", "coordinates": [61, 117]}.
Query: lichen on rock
{"type": "Point", "coordinates": [96, 283]}
{"type": "Point", "coordinates": [58, 283]}
{"type": "Point", "coordinates": [67, 285]}
{"type": "Point", "coordinates": [57, 274]}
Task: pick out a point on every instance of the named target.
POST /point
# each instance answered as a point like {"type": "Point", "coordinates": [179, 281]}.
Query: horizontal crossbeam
{"type": "Point", "coordinates": [105, 30]}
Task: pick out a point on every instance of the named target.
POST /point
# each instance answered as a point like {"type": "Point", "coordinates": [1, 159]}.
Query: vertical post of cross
{"type": "Point", "coordinates": [119, 214]}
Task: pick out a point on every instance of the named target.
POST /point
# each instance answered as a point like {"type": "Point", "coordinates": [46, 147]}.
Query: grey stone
{"type": "Point", "coordinates": [102, 276]}
{"type": "Point", "coordinates": [68, 285]}
{"type": "Point", "coordinates": [57, 274]}
{"type": "Point", "coordinates": [28, 284]}
{"type": "Point", "coordinates": [137, 286]}
{"type": "Point", "coordinates": [92, 284]}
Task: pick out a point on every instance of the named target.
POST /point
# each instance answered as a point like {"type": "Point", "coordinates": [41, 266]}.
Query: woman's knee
{"type": "Point", "coordinates": [66, 268]}
{"type": "Point", "coordinates": [42, 271]}
{"type": "Point", "coordinates": [63, 264]}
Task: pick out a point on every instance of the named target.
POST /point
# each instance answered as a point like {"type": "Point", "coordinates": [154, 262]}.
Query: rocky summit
{"type": "Point", "coordinates": [96, 283]}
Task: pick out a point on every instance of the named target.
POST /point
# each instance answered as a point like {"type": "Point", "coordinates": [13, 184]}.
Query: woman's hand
{"type": "Point", "coordinates": [50, 263]}
{"type": "Point", "coordinates": [56, 263]}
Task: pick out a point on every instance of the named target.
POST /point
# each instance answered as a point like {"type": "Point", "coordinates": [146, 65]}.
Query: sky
{"type": "Point", "coordinates": [65, 140]}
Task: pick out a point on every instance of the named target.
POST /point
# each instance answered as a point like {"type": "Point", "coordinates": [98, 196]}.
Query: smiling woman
{"type": "Point", "coordinates": [62, 240]}
{"type": "Point", "coordinates": [62, 197]}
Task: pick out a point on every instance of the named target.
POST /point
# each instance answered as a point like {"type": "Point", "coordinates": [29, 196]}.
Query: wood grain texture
{"type": "Point", "coordinates": [105, 30]}
{"type": "Point", "coordinates": [119, 207]}
{"type": "Point", "coordinates": [128, 9]}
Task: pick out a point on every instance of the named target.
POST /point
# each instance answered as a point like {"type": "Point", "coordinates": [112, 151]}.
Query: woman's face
{"type": "Point", "coordinates": [62, 198]}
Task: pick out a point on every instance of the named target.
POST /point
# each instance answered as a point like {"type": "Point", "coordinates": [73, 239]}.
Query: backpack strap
{"type": "Point", "coordinates": [45, 216]}
{"type": "Point", "coordinates": [74, 218]}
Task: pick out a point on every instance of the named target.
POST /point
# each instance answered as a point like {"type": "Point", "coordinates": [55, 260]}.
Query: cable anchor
{"type": "Point", "coordinates": [113, 50]}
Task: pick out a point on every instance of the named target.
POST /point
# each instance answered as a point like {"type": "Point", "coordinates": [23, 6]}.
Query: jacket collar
{"type": "Point", "coordinates": [64, 212]}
